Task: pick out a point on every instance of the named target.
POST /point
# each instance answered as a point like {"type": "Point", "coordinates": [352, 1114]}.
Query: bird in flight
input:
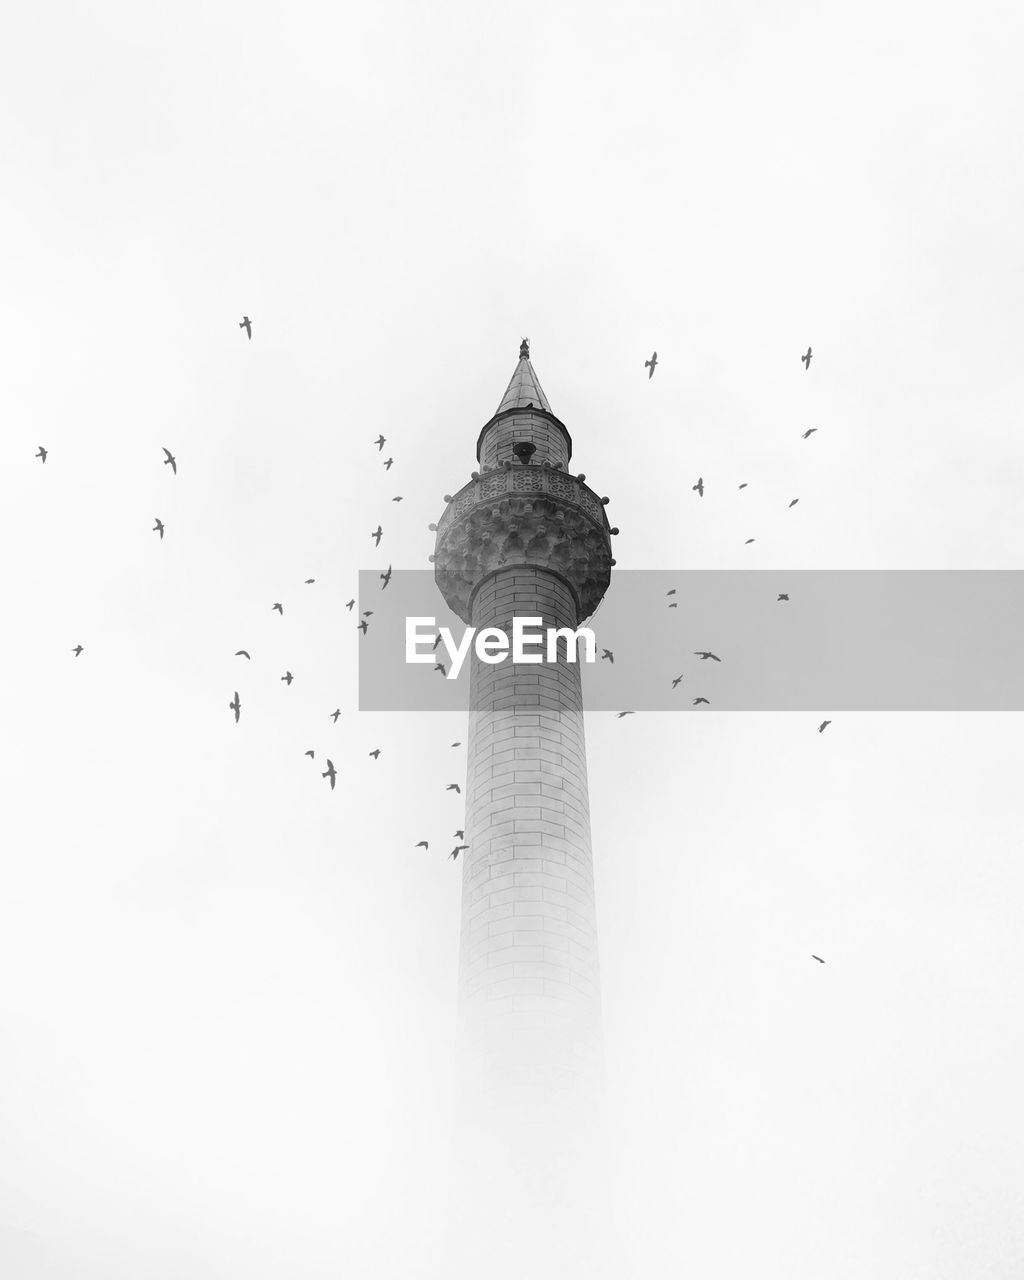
{"type": "Point", "coordinates": [439, 666]}
{"type": "Point", "coordinates": [676, 681]}
{"type": "Point", "coordinates": [456, 744]}
{"type": "Point", "coordinates": [809, 432]}
{"type": "Point", "coordinates": [624, 713]}
{"type": "Point", "coordinates": [748, 542]}
{"type": "Point", "coordinates": [437, 641]}
{"type": "Point", "coordinates": [671, 593]}
{"type": "Point", "coordinates": [335, 714]}
{"type": "Point", "coordinates": [367, 613]}
{"type": "Point", "coordinates": [385, 578]}
{"type": "Point", "coordinates": [330, 772]}
{"type": "Point", "coordinates": [704, 700]}
{"type": "Point", "coordinates": [744, 484]}
{"type": "Point", "coordinates": [818, 958]}
{"type": "Point", "coordinates": [423, 844]}
{"type": "Point", "coordinates": [806, 360]}
{"type": "Point", "coordinates": [824, 725]}
{"type": "Point", "coordinates": [794, 502]}
{"type": "Point", "coordinates": [246, 324]}
{"type": "Point", "coordinates": [42, 453]}
{"type": "Point", "coordinates": [158, 528]}
{"type": "Point", "coordinates": [288, 677]}
{"type": "Point", "coordinates": [170, 460]}
{"type": "Point", "coordinates": [380, 442]}
{"type": "Point", "coordinates": [378, 533]}
{"type": "Point", "coordinates": [310, 581]}
{"type": "Point", "coordinates": [388, 463]}
{"type": "Point", "coordinates": [375, 753]}
{"type": "Point", "coordinates": [397, 499]}
{"type": "Point", "coordinates": [459, 835]}
{"type": "Point", "coordinates": [279, 607]}
{"type": "Point", "coordinates": [782, 596]}
{"type": "Point", "coordinates": [457, 850]}
{"type": "Point", "coordinates": [350, 604]}
{"type": "Point", "coordinates": [454, 786]}
{"type": "Point", "coordinates": [698, 488]}
{"type": "Point", "coordinates": [362, 625]}
{"type": "Point", "coordinates": [607, 653]}
{"type": "Point", "coordinates": [650, 364]}
{"type": "Point", "coordinates": [78, 650]}
{"type": "Point", "coordinates": [673, 605]}
{"type": "Point", "coordinates": [236, 706]}
{"type": "Point", "coordinates": [704, 654]}
{"type": "Point", "coordinates": [311, 754]}
{"type": "Point", "coordinates": [243, 653]}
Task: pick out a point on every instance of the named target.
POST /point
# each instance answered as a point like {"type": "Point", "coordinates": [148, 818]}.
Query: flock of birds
{"type": "Point", "coordinates": [698, 488]}
{"type": "Point", "coordinates": [330, 773]}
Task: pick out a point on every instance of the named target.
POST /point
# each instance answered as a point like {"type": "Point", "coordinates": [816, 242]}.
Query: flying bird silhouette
{"type": "Point", "coordinates": [699, 487]}
{"type": "Point", "coordinates": [388, 463]}
{"type": "Point", "coordinates": [457, 850]}
{"type": "Point", "coordinates": [673, 605]}
{"type": "Point", "coordinates": [310, 581]}
{"type": "Point", "coordinates": [331, 773]}
{"type": "Point", "coordinates": [350, 604]}
{"type": "Point", "coordinates": [311, 754]}
{"type": "Point", "coordinates": [748, 542]}
{"type": "Point", "coordinates": [607, 653]}
{"type": "Point", "coordinates": [380, 442]}
{"type": "Point", "coordinates": [456, 744]}
{"type": "Point", "coordinates": [824, 725]}
{"type": "Point", "coordinates": [385, 578]}
{"type": "Point", "coordinates": [288, 677]}
{"type": "Point", "coordinates": [671, 593]}
{"type": "Point", "coordinates": [335, 714]}
{"type": "Point", "coordinates": [243, 653]}
{"type": "Point", "coordinates": [624, 713]}
{"type": "Point", "coordinates": [809, 432]}
{"type": "Point", "coordinates": [651, 364]}
{"type": "Point", "coordinates": [439, 666]}
{"type": "Point", "coordinates": [398, 499]}
{"type": "Point", "coordinates": [78, 650]}
{"type": "Point", "coordinates": [158, 527]}
{"type": "Point", "coordinates": [437, 641]}
{"type": "Point", "coordinates": [375, 753]}
{"type": "Point", "coordinates": [794, 502]}
{"type": "Point", "coordinates": [782, 596]}
{"type": "Point", "coordinates": [454, 786]}
{"type": "Point", "coordinates": [704, 654]}
{"type": "Point", "coordinates": [236, 706]}
{"type": "Point", "coordinates": [676, 681]}
{"type": "Point", "coordinates": [806, 360]}
{"type": "Point", "coordinates": [246, 324]}
{"type": "Point", "coordinates": [362, 625]}
{"type": "Point", "coordinates": [423, 844]}
{"type": "Point", "coordinates": [42, 453]}
{"type": "Point", "coordinates": [279, 607]}
{"type": "Point", "coordinates": [699, 700]}
{"type": "Point", "coordinates": [378, 533]}
{"type": "Point", "coordinates": [170, 460]}
{"type": "Point", "coordinates": [818, 958]}
{"type": "Point", "coordinates": [744, 484]}
{"type": "Point", "coordinates": [459, 835]}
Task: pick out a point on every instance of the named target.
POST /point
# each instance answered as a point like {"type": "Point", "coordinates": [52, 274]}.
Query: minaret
{"type": "Point", "coordinates": [527, 538]}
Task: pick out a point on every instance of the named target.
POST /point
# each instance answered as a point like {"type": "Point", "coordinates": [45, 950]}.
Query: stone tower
{"type": "Point", "coordinates": [527, 538]}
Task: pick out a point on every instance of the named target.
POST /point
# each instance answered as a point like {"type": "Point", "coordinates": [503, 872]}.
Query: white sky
{"type": "Point", "coordinates": [226, 994]}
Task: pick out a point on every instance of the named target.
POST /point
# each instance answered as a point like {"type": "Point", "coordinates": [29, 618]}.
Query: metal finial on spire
{"type": "Point", "coordinates": [524, 349]}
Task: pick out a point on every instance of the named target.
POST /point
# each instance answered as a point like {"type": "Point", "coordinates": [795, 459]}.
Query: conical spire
{"type": "Point", "coordinates": [524, 389]}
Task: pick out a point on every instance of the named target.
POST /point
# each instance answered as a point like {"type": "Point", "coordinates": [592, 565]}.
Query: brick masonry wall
{"type": "Point", "coordinates": [529, 1001]}
{"type": "Point", "coordinates": [496, 446]}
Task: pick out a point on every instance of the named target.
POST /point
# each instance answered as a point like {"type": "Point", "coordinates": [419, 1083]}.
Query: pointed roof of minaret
{"type": "Point", "coordinates": [524, 389]}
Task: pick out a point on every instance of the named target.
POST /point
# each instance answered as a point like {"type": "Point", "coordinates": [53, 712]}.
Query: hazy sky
{"type": "Point", "coordinates": [227, 993]}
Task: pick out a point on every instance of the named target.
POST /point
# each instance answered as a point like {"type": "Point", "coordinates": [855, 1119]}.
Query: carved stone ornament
{"type": "Point", "coordinates": [531, 516]}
